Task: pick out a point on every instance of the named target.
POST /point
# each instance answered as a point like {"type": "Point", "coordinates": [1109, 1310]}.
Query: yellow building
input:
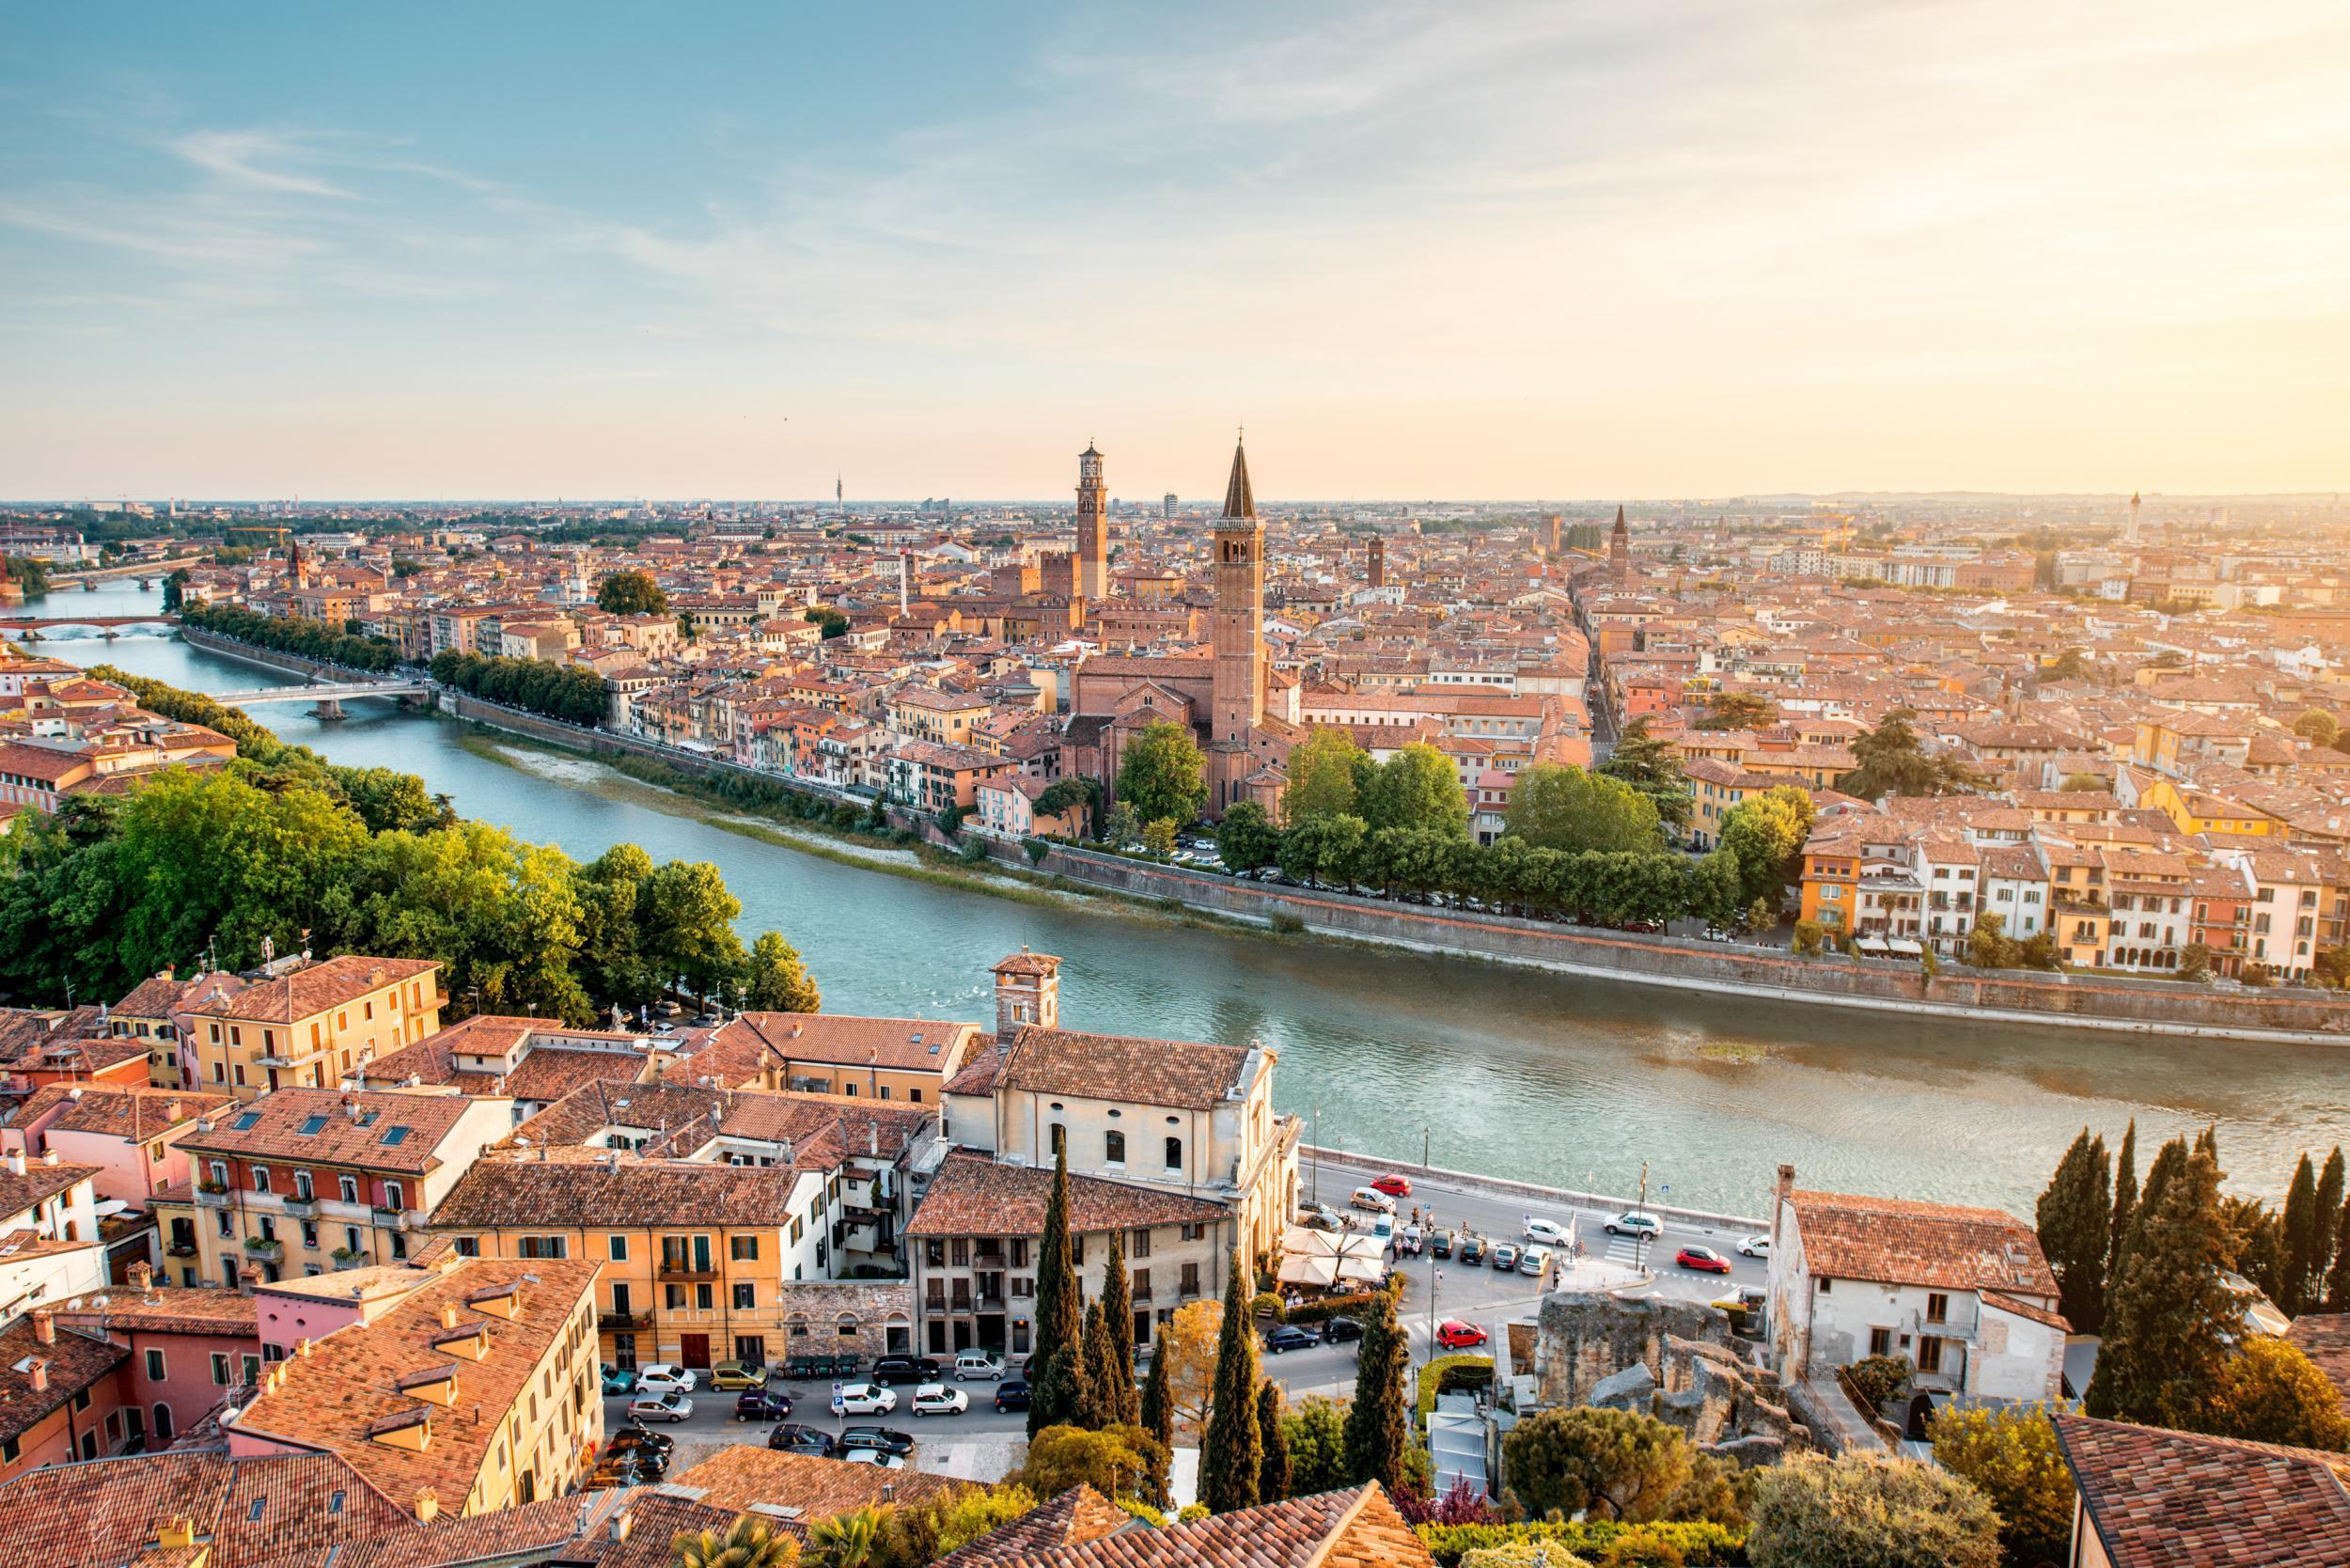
{"type": "Point", "coordinates": [476, 1391]}
{"type": "Point", "coordinates": [2194, 810]}
{"type": "Point", "coordinates": [308, 1023]}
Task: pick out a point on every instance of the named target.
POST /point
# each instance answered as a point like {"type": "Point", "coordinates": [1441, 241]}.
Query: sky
{"type": "Point", "coordinates": [1656, 249]}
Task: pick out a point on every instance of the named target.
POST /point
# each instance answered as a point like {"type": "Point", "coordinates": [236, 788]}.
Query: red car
{"type": "Point", "coordinates": [1394, 1186]}
{"type": "Point", "coordinates": [1703, 1259]}
{"type": "Point", "coordinates": [1455, 1334]}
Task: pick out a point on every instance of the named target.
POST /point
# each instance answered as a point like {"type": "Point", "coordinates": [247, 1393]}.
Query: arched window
{"type": "Point", "coordinates": [1174, 1153]}
{"type": "Point", "coordinates": [848, 1325]}
{"type": "Point", "coordinates": [163, 1423]}
{"type": "Point", "coordinates": [795, 1325]}
{"type": "Point", "coordinates": [1114, 1148]}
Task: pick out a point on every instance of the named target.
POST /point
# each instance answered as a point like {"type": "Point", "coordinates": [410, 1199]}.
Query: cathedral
{"type": "Point", "coordinates": [1242, 713]}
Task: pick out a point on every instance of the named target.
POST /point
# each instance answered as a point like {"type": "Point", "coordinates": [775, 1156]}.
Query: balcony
{"type": "Point", "coordinates": [264, 1249]}
{"type": "Point", "coordinates": [299, 1207]}
{"type": "Point", "coordinates": [623, 1322]}
{"type": "Point", "coordinates": [684, 1271]}
{"type": "Point", "coordinates": [212, 1195]}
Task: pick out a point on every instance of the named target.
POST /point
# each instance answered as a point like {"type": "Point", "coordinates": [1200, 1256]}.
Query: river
{"type": "Point", "coordinates": [1536, 1076]}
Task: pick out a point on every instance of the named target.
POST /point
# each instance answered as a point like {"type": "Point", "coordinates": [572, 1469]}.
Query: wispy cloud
{"type": "Point", "coordinates": [238, 157]}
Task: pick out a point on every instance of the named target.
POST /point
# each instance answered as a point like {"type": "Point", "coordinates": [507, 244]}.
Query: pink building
{"type": "Point", "coordinates": [131, 1135]}
{"type": "Point", "coordinates": [187, 1352]}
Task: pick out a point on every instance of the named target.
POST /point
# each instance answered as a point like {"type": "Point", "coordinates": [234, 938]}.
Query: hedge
{"type": "Point", "coordinates": [1698, 1543]}
{"type": "Point", "coordinates": [1332, 1307]}
{"type": "Point", "coordinates": [1432, 1378]}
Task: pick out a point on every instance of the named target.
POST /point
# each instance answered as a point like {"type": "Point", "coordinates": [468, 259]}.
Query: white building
{"type": "Point", "coordinates": [1965, 1294]}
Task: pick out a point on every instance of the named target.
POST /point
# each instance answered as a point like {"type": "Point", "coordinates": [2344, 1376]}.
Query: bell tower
{"type": "Point", "coordinates": [1237, 695]}
{"type": "Point", "coordinates": [1093, 529]}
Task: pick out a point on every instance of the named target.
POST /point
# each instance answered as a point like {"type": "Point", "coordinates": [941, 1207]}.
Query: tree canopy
{"type": "Point", "coordinates": [1652, 767]}
{"type": "Point", "coordinates": [1892, 758]}
{"type": "Point", "coordinates": [631, 593]}
{"type": "Point", "coordinates": [1162, 775]}
{"type": "Point", "coordinates": [1561, 806]}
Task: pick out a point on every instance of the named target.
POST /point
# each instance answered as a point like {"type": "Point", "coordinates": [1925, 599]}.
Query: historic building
{"type": "Point", "coordinates": [1093, 529]}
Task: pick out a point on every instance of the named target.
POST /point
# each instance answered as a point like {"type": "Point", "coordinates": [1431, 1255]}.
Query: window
{"type": "Point", "coordinates": [349, 1187]}
{"type": "Point", "coordinates": [301, 1186]}
{"type": "Point", "coordinates": [1880, 1342]}
{"type": "Point", "coordinates": [468, 1247]}
{"type": "Point", "coordinates": [155, 1366]}
{"type": "Point", "coordinates": [220, 1368]}
{"type": "Point", "coordinates": [615, 1247]}
{"type": "Point", "coordinates": [1138, 1242]}
{"type": "Point", "coordinates": [745, 1295]}
{"type": "Point", "coordinates": [1191, 1279]}
{"type": "Point", "coordinates": [1825, 1285]}
{"type": "Point", "coordinates": [311, 1126]}
{"type": "Point", "coordinates": [394, 1196]}
{"type": "Point", "coordinates": [1114, 1148]}
{"type": "Point", "coordinates": [1937, 1308]}
{"type": "Point", "coordinates": [1174, 1153]}
{"type": "Point", "coordinates": [260, 1178]}
{"type": "Point", "coordinates": [743, 1249]}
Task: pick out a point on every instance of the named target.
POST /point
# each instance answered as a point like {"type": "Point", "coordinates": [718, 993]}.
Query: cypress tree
{"type": "Point", "coordinates": [1158, 1410]}
{"type": "Point", "coordinates": [2338, 1274]}
{"type": "Point", "coordinates": [2300, 1238]}
{"type": "Point", "coordinates": [1100, 1389]}
{"type": "Point", "coordinates": [1374, 1437]}
{"type": "Point", "coordinates": [2172, 1319]}
{"type": "Point", "coordinates": [2075, 1219]}
{"type": "Point", "coordinates": [1273, 1471]}
{"type": "Point", "coordinates": [1057, 1394]}
{"type": "Point", "coordinates": [1230, 1453]}
{"type": "Point", "coordinates": [2124, 1198]}
{"type": "Point", "coordinates": [1116, 1373]}
{"type": "Point", "coordinates": [2329, 1200]}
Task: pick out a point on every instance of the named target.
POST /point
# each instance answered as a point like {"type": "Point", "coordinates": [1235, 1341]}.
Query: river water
{"type": "Point", "coordinates": [1536, 1076]}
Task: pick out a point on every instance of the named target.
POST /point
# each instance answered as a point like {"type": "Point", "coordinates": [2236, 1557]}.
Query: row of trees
{"type": "Point", "coordinates": [2143, 1265]}
{"type": "Point", "coordinates": [284, 846]}
{"type": "Point", "coordinates": [296, 635]}
{"type": "Point", "coordinates": [572, 693]}
{"type": "Point", "coordinates": [1082, 1400]}
{"type": "Point", "coordinates": [28, 573]}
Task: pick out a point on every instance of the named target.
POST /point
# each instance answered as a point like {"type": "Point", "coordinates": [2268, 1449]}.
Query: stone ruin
{"type": "Point", "coordinates": [1667, 1358]}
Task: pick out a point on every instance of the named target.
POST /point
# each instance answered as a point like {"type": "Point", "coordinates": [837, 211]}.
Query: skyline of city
{"type": "Point", "coordinates": [1537, 251]}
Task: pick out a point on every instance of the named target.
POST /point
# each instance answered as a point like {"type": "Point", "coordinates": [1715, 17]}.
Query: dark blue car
{"type": "Point", "coordinates": [1291, 1336]}
{"type": "Point", "coordinates": [1012, 1396]}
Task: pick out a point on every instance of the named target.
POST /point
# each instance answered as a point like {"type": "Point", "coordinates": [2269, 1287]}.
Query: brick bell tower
{"type": "Point", "coordinates": [1093, 529]}
{"type": "Point", "coordinates": [1237, 695]}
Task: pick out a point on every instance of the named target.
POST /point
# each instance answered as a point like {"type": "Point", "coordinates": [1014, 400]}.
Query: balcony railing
{"type": "Point", "coordinates": [623, 1322]}
{"type": "Point", "coordinates": [686, 1271]}
{"type": "Point", "coordinates": [208, 1196]}
{"type": "Point", "coordinates": [301, 1208]}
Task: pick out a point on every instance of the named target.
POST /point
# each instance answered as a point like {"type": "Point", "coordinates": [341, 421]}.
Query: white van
{"type": "Point", "coordinates": [977, 1365]}
{"type": "Point", "coordinates": [1372, 1200]}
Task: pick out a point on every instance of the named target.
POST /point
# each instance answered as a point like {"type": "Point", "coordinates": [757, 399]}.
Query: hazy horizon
{"type": "Point", "coordinates": [1689, 249]}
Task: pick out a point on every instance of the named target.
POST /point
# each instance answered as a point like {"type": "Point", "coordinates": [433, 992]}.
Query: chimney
{"type": "Point", "coordinates": [1786, 1190]}
{"type": "Point", "coordinates": [622, 1524]}
{"type": "Point", "coordinates": [166, 973]}
{"type": "Point", "coordinates": [171, 1113]}
{"type": "Point", "coordinates": [140, 1274]}
{"type": "Point", "coordinates": [449, 1314]}
{"type": "Point", "coordinates": [427, 1505]}
{"type": "Point", "coordinates": [16, 1162]}
{"type": "Point", "coordinates": [351, 1106]}
{"type": "Point", "coordinates": [36, 1374]}
{"type": "Point", "coordinates": [44, 1326]}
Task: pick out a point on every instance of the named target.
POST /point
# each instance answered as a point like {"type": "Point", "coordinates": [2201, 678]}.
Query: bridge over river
{"type": "Point", "coordinates": [329, 695]}
{"type": "Point", "coordinates": [30, 627]}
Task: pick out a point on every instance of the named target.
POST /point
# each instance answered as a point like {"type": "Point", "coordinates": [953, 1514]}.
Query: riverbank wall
{"type": "Point", "coordinates": [2113, 1003]}
{"type": "Point", "coordinates": [1497, 1187]}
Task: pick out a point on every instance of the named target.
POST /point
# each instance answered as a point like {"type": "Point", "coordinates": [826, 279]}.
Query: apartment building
{"type": "Point", "coordinates": [307, 1181]}
{"type": "Point", "coordinates": [304, 1024]}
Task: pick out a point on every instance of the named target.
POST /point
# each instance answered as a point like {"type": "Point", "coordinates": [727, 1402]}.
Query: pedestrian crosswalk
{"type": "Point", "coordinates": [1626, 1249]}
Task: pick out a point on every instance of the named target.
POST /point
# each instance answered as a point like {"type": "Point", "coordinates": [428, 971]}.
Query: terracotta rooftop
{"type": "Point", "coordinates": [349, 1386]}
{"type": "Point", "coordinates": [125, 1111]}
{"type": "Point", "coordinates": [899, 1044]}
{"type": "Point", "coordinates": [72, 1364]}
{"type": "Point", "coordinates": [1176, 1072]}
{"type": "Point", "coordinates": [1356, 1528]}
{"type": "Point", "coordinates": [39, 1184]}
{"type": "Point", "coordinates": [516, 1193]}
{"type": "Point", "coordinates": [326, 1126]}
{"type": "Point", "coordinates": [740, 1475]}
{"type": "Point", "coordinates": [105, 1513]}
{"type": "Point", "coordinates": [1076, 1517]}
{"type": "Point", "coordinates": [2325, 1339]}
{"type": "Point", "coordinates": [313, 989]}
{"type": "Point", "coordinates": [2171, 1499]}
{"type": "Point", "coordinates": [170, 1309]}
{"type": "Point", "coordinates": [974, 1196]}
{"type": "Point", "coordinates": [1901, 1241]}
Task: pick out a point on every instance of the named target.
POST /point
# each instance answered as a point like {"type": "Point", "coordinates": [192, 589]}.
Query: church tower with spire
{"type": "Point", "coordinates": [1620, 550]}
{"type": "Point", "coordinates": [1093, 529]}
{"type": "Point", "coordinates": [1237, 703]}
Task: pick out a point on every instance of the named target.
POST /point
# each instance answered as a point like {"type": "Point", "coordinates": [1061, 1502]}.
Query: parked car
{"type": "Point", "coordinates": [1441, 1244]}
{"type": "Point", "coordinates": [906, 1369]}
{"type": "Point", "coordinates": [978, 1364]}
{"type": "Point", "coordinates": [864, 1399]}
{"type": "Point", "coordinates": [635, 1435]}
{"type": "Point", "coordinates": [1371, 1201]}
{"type": "Point", "coordinates": [1394, 1185]}
{"type": "Point", "coordinates": [887, 1438]}
{"type": "Point", "coordinates": [1548, 1233]}
{"type": "Point", "coordinates": [665, 1377]}
{"type": "Point", "coordinates": [791, 1437]}
{"type": "Point", "coordinates": [1455, 1334]}
{"type": "Point", "coordinates": [1703, 1259]}
{"type": "Point", "coordinates": [1291, 1336]}
{"type": "Point", "coordinates": [1321, 1217]}
{"type": "Point", "coordinates": [660, 1407]}
{"type": "Point", "coordinates": [761, 1404]}
{"type": "Point", "coordinates": [1409, 1241]}
{"type": "Point", "coordinates": [1012, 1395]}
{"type": "Point", "coordinates": [1338, 1330]}
{"type": "Point", "coordinates": [875, 1456]}
{"type": "Point", "coordinates": [1505, 1256]}
{"type": "Point", "coordinates": [1634, 1223]}
{"type": "Point", "coordinates": [1755, 1247]}
{"type": "Point", "coordinates": [731, 1377]}
{"type": "Point", "coordinates": [940, 1399]}
{"type": "Point", "coordinates": [1472, 1250]}
{"type": "Point", "coordinates": [1534, 1260]}
{"type": "Point", "coordinates": [619, 1380]}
